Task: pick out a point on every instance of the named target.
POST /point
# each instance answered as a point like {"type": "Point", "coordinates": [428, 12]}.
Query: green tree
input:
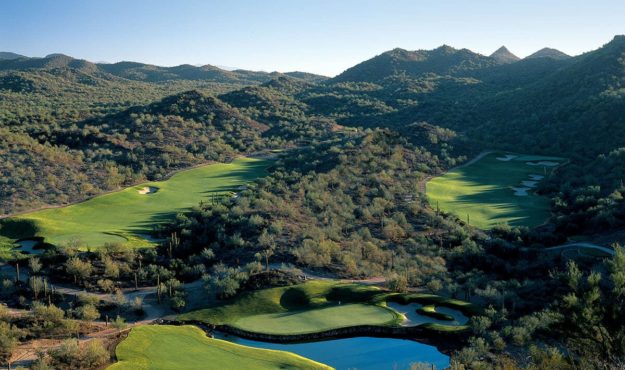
{"type": "Point", "coordinates": [78, 268]}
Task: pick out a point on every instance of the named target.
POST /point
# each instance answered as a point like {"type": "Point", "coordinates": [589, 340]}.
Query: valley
{"type": "Point", "coordinates": [423, 209]}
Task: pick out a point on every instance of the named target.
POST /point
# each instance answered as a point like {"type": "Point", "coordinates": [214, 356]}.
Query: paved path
{"type": "Point", "coordinates": [572, 246]}
{"type": "Point", "coordinates": [582, 245]}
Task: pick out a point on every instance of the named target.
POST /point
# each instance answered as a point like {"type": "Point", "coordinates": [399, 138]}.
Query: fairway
{"type": "Point", "coordinates": [187, 347]}
{"type": "Point", "coordinates": [126, 216]}
{"type": "Point", "coordinates": [496, 189]}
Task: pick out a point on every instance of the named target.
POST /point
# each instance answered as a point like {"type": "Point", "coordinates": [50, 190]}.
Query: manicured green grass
{"type": "Point", "coordinates": [430, 311]}
{"type": "Point", "coordinates": [187, 347]}
{"type": "Point", "coordinates": [434, 300]}
{"type": "Point", "coordinates": [125, 216]}
{"type": "Point", "coordinates": [483, 191]}
{"type": "Point", "coordinates": [314, 306]}
{"type": "Point", "coordinates": [305, 308]}
{"type": "Point", "coordinates": [316, 320]}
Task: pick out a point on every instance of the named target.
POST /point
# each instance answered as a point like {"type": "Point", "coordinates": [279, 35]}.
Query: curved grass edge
{"type": "Point", "coordinates": [430, 311]}
{"type": "Point", "coordinates": [445, 339]}
{"type": "Point", "coordinates": [298, 360]}
{"type": "Point", "coordinates": [348, 293]}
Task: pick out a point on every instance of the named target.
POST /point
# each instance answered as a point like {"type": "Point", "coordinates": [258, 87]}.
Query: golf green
{"type": "Point", "coordinates": [126, 216]}
{"type": "Point", "coordinates": [310, 307]}
{"type": "Point", "coordinates": [315, 320]}
{"type": "Point", "coordinates": [496, 189]}
{"type": "Point", "coordinates": [187, 347]}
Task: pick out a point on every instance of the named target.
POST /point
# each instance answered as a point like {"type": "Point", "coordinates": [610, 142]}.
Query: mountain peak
{"type": "Point", "coordinates": [446, 49]}
{"type": "Point", "coordinates": [504, 56]}
{"type": "Point", "coordinates": [549, 53]}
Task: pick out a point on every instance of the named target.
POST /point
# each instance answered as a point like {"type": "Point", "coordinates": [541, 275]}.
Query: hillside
{"type": "Point", "coordinates": [444, 60]}
{"type": "Point", "coordinates": [9, 55]}
{"type": "Point", "coordinates": [99, 154]}
{"type": "Point", "coordinates": [146, 72]}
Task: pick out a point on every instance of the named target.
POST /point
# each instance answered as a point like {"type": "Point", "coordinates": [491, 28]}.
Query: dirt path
{"type": "Point", "coordinates": [26, 353]}
{"type": "Point", "coordinates": [151, 307]}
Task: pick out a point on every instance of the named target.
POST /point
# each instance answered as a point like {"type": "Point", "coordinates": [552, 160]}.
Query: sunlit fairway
{"type": "Point", "coordinates": [499, 188]}
{"type": "Point", "coordinates": [187, 347]}
{"type": "Point", "coordinates": [127, 216]}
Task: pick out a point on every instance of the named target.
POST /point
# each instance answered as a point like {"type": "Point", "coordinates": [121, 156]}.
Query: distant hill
{"type": "Point", "coordinates": [504, 56]}
{"type": "Point", "coordinates": [549, 53]}
{"type": "Point", "coordinates": [6, 55]}
{"type": "Point", "coordinates": [573, 107]}
{"type": "Point", "coordinates": [147, 72]}
{"type": "Point", "coordinates": [444, 60]}
{"type": "Point", "coordinates": [174, 132]}
{"type": "Point", "coordinates": [309, 77]}
{"type": "Point", "coordinates": [52, 61]}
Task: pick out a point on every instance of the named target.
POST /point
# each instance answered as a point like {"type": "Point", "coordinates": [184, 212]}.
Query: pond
{"type": "Point", "coordinates": [362, 353]}
{"type": "Point", "coordinates": [28, 246]}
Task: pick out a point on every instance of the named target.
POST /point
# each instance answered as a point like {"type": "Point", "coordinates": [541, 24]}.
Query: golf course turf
{"type": "Point", "coordinates": [313, 307]}
{"type": "Point", "coordinates": [496, 189]}
{"type": "Point", "coordinates": [187, 347]}
{"type": "Point", "coordinates": [125, 216]}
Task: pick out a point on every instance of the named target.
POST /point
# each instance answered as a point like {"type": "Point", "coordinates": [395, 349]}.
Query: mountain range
{"type": "Point", "coordinates": [546, 103]}
{"type": "Point", "coordinates": [145, 72]}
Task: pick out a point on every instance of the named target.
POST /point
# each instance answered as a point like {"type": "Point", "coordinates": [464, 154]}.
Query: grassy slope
{"type": "Point", "coordinates": [122, 216]}
{"type": "Point", "coordinates": [314, 306]}
{"type": "Point", "coordinates": [305, 308]}
{"type": "Point", "coordinates": [187, 347]}
{"type": "Point", "coordinates": [483, 191]}
{"type": "Point", "coordinates": [321, 319]}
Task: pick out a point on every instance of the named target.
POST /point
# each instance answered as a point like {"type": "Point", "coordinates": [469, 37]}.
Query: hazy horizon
{"type": "Point", "coordinates": [324, 37]}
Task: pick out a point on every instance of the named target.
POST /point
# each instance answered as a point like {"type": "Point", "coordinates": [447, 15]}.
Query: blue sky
{"type": "Point", "coordinates": [321, 36]}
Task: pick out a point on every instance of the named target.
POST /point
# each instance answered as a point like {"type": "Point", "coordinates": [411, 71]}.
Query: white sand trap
{"type": "Point", "coordinates": [520, 192]}
{"type": "Point", "coordinates": [148, 190]}
{"type": "Point", "coordinates": [543, 163]}
{"type": "Point", "coordinates": [537, 177]}
{"type": "Point", "coordinates": [412, 318]}
{"type": "Point", "coordinates": [529, 184]}
{"type": "Point", "coordinates": [507, 158]}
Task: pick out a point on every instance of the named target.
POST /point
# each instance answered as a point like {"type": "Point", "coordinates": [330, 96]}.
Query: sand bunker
{"type": "Point", "coordinates": [412, 318]}
{"type": "Point", "coordinates": [507, 158]}
{"type": "Point", "coordinates": [543, 163]}
{"type": "Point", "coordinates": [521, 192]}
{"type": "Point", "coordinates": [529, 184]}
{"type": "Point", "coordinates": [148, 190]}
{"type": "Point", "coordinates": [537, 177]}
